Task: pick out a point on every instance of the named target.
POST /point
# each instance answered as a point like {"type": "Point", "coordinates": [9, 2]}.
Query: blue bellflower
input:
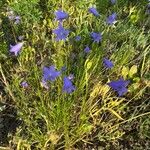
{"type": "Point", "coordinates": [111, 19]}
{"type": "Point", "coordinates": [119, 86]}
{"type": "Point", "coordinates": [61, 33]}
{"type": "Point", "coordinates": [97, 37]}
{"type": "Point", "coordinates": [61, 15]}
{"type": "Point", "coordinates": [94, 11]}
{"type": "Point", "coordinates": [16, 48]}
{"type": "Point", "coordinates": [87, 49]}
{"type": "Point", "coordinates": [107, 63]}
{"type": "Point", "coordinates": [50, 73]}
{"type": "Point", "coordinates": [68, 87]}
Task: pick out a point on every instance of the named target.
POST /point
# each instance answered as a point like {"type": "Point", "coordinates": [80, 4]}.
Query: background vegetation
{"type": "Point", "coordinates": [93, 116]}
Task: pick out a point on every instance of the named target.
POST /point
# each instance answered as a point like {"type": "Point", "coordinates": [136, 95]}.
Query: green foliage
{"type": "Point", "coordinates": [27, 9]}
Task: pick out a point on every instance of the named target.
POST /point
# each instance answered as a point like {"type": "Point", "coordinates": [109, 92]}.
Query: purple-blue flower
{"type": "Point", "coordinates": [61, 33]}
{"type": "Point", "coordinates": [78, 38]}
{"type": "Point", "coordinates": [16, 48]}
{"type": "Point", "coordinates": [111, 19]}
{"type": "Point", "coordinates": [87, 49]}
{"type": "Point", "coordinates": [93, 11]}
{"type": "Point", "coordinates": [119, 86]}
{"type": "Point", "coordinates": [24, 84]}
{"type": "Point", "coordinates": [113, 1]}
{"type": "Point", "coordinates": [107, 63]}
{"type": "Point", "coordinates": [97, 37]}
{"type": "Point", "coordinates": [50, 73]}
{"type": "Point", "coordinates": [61, 15]}
{"type": "Point", "coordinates": [68, 87]}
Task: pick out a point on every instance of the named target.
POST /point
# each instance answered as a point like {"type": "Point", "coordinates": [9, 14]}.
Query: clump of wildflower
{"type": "Point", "coordinates": [50, 73]}
{"type": "Point", "coordinates": [93, 11]}
{"type": "Point", "coordinates": [111, 19]}
{"type": "Point", "coordinates": [68, 87]}
{"type": "Point", "coordinates": [107, 63]}
{"type": "Point", "coordinates": [24, 84]}
{"type": "Point", "coordinates": [16, 48]}
{"type": "Point", "coordinates": [87, 49]}
{"type": "Point", "coordinates": [61, 15]}
{"type": "Point", "coordinates": [61, 33]}
{"type": "Point", "coordinates": [119, 86]}
{"type": "Point", "coordinates": [97, 37]}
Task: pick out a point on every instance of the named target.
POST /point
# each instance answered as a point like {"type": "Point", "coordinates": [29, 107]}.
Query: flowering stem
{"type": "Point", "coordinates": [12, 28]}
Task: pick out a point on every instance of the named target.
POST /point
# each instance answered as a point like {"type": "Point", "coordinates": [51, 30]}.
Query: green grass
{"type": "Point", "coordinates": [93, 113]}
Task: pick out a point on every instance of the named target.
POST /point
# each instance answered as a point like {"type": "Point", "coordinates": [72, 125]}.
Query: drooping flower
{"type": "Point", "coordinates": [87, 49]}
{"type": "Point", "coordinates": [113, 1]}
{"type": "Point", "coordinates": [78, 38]}
{"type": "Point", "coordinates": [97, 37]}
{"type": "Point", "coordinates": [93, 11]}
{"type": "Point", "coordinates": [119, 86]}
{"type": "Point", "coordinates": [16, 48]}
{"type": "Point", "coordinates": [24, 84]}
{"type": "Point", "coordinates": [111, 19]}
{"type": "Point", "coordinates": [61, 15]}
{"type": "Point", "coordinates": [61, 33]}
{"type": "Point", "coordinates": [50, 73]}
{"type": "Point", "coordinates": [107, 63]}
{"type": "Point", "coordinates": [68, 87]}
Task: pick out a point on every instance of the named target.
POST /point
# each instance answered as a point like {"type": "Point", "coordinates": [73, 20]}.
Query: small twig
{"type": "Point", "coordinates": [130, 119]}
{"type": "Point", "coordinates": [6, 83]}
{"type": "Point", "coordinates": [5, 148]}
